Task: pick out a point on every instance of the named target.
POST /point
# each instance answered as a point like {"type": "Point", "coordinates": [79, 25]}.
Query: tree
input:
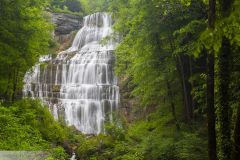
{"type": "Point", "coordinates": [224, 81]}
{"type": "Point", "coordinates": [25, 34]}
{"type": "Point", "coordinates": [236, 146]}
{"type": "Point", "coordinates": [93, 6]}
{"type": "Point", "coordinates": [157, 48]}
{"type": "Point", "coordinates": [71, 5]}
{"type": "Point", "coordinates": [212, 153]}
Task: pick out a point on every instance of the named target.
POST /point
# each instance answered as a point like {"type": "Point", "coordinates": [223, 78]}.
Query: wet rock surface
{"type": "Point", "coordinates": [66, 27]}
{"type": "Point", "coordinates": [66, 23]}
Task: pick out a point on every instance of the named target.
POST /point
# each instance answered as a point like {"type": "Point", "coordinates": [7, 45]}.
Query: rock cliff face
{"type": "Point", "coordinates": [66, 26]}
{"type": "Point", "coordinates": [66, 23]}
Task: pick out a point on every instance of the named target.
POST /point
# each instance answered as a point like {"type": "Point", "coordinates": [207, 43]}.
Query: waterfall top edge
{"type": "Point", "coordinates": [96, 27]}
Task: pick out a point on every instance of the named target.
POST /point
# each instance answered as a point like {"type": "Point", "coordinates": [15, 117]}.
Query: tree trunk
{"type": "Point", "coordinates": [184, 69]}
{"type": "Point", "coordinates": [15, 82]}
{"type": "Point", "coordinates": [211, 117]}
{"type": "Point", "coordinates": [192, 85]}
{"type": "Point", "coordinates": [224, 80]}
{"type": "Point", "coordinates": [223, 114]}
{"type": "Point", "coordinates": [173, 108]}
{"type": "Point", "coordinates": [6, 93]}
{"type": "Point", "coordinates": [236, 148]}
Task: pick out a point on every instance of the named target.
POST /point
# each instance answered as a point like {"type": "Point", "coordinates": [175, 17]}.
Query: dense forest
{"type": "Point", "coordinates": [177, 63]}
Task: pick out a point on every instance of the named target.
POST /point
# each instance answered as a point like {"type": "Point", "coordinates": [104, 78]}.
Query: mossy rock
{"type": "Point", "coordinates": [56, 88]}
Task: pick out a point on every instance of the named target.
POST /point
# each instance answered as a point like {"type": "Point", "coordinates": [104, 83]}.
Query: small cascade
{"type": "Point", "coordinates": [73, 157]}
{"type": "Point", "coordinates": [79, 84]}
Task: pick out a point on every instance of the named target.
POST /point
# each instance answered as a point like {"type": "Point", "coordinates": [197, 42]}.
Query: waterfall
{"type": "Point", "coordinates": [79, 84]}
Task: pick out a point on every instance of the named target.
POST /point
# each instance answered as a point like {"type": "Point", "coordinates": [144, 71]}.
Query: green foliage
{"type": "Point", "coordinates": [58, 154]}
{"type": "Point", "coordinates": [93, 6]}
{"type": "Point", "coordinates": [154, 34]}
{"type": "Point", "coordinates": [67, 6]}
{"type": "Point", "coordinates": [27, 125]}
{"type": "Point", "coordinates": [199, 91]}
{"type": "Point", "coordinates": [187, 37]}
{"type": "Point", "coordinates": [31, 127]}
{"type": "Point", "coordinates": [228, 27]}
{"type": "Point", "coordinates": [25, 33]}
{"type": "Point", "coordinates": [154, 138]}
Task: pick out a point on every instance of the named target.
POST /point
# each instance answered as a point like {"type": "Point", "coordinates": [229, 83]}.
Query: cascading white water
{"type": "Point", "coordinates": [79, 83]}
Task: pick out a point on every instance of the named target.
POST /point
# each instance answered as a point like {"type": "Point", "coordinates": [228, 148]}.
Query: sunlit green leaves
{"type": "Point", "coordinates": [186, 2]}
{"type": "Point", "coordinates": [25, 33]}
{"type": "Point", "coordinates": [154, 32]}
